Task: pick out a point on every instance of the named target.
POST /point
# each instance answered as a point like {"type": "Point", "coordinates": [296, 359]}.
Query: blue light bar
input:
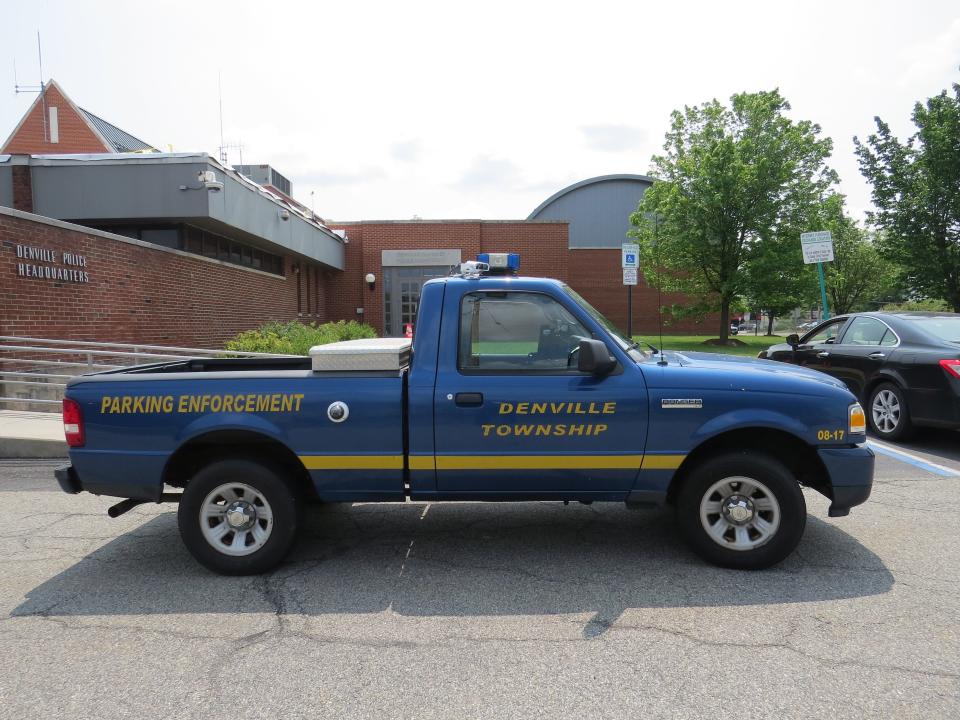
{"type": "Point", "coordinates": [501, 261]}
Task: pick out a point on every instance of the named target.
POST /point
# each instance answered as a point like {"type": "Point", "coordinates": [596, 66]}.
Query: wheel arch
{"type": "Point", "coordinates": [800, 458]}
{"type": "Point", "coordinates": [215, 445]}
{"type": "Point", "coordinates": [884, 376]}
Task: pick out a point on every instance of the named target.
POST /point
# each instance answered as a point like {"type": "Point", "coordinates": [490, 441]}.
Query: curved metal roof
{"type": "Point", "coordinates": [597, 209]}
{"type": "Point", "coordinates": [589, 181]}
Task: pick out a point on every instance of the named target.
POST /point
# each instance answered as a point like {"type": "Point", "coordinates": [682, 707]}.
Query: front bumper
{"type": "Point", "coordinates": [850, 477]}
{"type": "Point", "coordinates": [67, 477]}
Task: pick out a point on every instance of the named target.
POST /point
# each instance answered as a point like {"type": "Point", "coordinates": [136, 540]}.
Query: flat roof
{"type": "Point", "coordinates": [165, 187]}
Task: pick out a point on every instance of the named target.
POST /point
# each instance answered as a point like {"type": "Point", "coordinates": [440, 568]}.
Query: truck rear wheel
{"type": "Point", "coordinates": [238, 517]}
{"type": "Point", "coordinates": [741, 510]}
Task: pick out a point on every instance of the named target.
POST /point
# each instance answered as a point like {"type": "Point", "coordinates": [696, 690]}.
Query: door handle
{"type": "Point", "coordinates": [823, 355]}
{"type": "Point", "coordinates": [468, 399]}
{"type": "Point", "coordinates": [876, 356]}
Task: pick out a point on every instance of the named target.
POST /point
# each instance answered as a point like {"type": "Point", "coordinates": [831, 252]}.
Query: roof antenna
{"type": "Point", "coordinates": [223, 149]}
{"type": "Point", "coordinates": [39, 88]}
{"type": "Point", "coordinates": [656, 245]}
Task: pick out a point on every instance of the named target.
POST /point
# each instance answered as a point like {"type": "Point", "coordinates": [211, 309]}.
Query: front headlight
{"type": "Point", "coordinates": [857, 420]}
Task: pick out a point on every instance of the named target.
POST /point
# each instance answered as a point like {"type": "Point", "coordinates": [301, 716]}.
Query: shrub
{"type": "Point", "coordinates": [914, 305]}
{"type": "Point", "coordinates": [296, 338]}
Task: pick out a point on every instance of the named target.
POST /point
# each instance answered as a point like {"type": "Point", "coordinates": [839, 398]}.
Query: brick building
{"type": "Point", "coordinates": [103, 238]}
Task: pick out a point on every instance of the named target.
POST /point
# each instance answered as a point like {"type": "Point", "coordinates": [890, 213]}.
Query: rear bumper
{"type": "Point", "coordinates": [850, 474]}
{"type": "Point", "coordinates": [68, 480]}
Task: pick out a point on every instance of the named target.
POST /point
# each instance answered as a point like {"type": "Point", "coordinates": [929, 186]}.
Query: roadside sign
{"type": "Point", "coordinates": [630, 256]}
{"type": "Point", "coordinates": [817, 247]}
{"type": "Point", "coordinates": [629, 276]}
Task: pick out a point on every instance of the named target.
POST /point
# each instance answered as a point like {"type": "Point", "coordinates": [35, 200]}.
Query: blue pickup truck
{"type": "Point", "coordinates": [513, 388]}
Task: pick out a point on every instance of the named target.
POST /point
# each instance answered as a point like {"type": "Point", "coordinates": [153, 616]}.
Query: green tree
{"type": "Point", "coordinates": [916, 191]}
{"type": "Point", "coordinates": [776, 280]}
{"type": "Point", "coordinates": [730, 179]}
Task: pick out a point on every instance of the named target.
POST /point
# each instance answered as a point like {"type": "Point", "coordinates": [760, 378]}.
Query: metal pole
{"type": "Point", "coordinates": [823, 292]}
{"type": "Point", "coordinates": [630, 313]}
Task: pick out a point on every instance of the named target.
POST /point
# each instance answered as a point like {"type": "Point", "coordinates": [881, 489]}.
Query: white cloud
{"type": "Point", "coordinates": [407, 150]}
{"type": "Point", "coordinates": [613, 138]}
{"type": "Point", "coordinates": [394, 110]}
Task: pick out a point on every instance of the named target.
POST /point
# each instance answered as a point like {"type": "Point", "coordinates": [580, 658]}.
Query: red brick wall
{"type": "Point", "coordinates": [75, 134]}
{"type": "Point", "coordinates": [22, 188]}
{"type": "Point", "coordinates": [542, 248]}
{"type": "Point", "coordinates": [596, 275]}
{"type": "Point", "coordinates": [135, 293]}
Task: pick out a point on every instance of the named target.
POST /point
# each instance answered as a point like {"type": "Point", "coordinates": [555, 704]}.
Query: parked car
{"type": "Point", "coordinates": [905, 366]}
{"type": "Point", "coordinates": [748, 326]}
{"type": "Point", "coordinates": [734, 328]}
{"type": "Point", "coordinates": [805, 327]}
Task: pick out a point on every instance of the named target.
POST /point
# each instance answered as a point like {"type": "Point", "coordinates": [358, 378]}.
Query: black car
{"type": "Point", "coordinates": [904, 366]}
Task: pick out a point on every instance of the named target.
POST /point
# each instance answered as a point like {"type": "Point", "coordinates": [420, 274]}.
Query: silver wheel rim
{"type": "Point", "coordinates": [739, 513]}
{"type": "Point", "coordinates": [886, 411]}
{"type": "Point", "coordinates": [236, 519]}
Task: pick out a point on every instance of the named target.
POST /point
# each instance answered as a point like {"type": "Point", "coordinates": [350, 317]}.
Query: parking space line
{"type": "Point", "coordinates": [911, 459]}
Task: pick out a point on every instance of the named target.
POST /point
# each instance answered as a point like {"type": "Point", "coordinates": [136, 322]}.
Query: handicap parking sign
{"type": "Point", "coordinates": [629, 256]}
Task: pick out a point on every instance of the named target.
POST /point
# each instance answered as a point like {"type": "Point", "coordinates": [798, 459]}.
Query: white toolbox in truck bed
{"type": "Point", "coordinates": [367, 354]}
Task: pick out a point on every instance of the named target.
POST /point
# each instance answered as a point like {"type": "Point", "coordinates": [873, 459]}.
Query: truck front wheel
{"type": "Point", "coordinates": [741, 510]}
{"type": "Point", "coordinates": [237, 516]}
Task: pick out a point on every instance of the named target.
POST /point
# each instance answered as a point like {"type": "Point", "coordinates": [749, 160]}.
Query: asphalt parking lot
{"type": "Point", "coordinates": [474, 610]}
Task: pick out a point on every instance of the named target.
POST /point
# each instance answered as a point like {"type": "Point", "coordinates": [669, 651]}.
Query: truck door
{"type": "Point", "coordinates": [513, 416]}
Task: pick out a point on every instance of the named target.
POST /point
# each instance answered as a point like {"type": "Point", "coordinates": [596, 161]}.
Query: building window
{"type": "Point", "coordinates": [167, 237]}
{"type": "Point", "coordinates": [199, 242]}
{"type": "Point", "coordinates": [296, 269]}
{"type": "Point", "coordinates": [309, 273]}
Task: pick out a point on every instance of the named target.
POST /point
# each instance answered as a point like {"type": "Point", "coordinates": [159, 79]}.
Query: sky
{"type": "Point", "coordinates": [409, 109]}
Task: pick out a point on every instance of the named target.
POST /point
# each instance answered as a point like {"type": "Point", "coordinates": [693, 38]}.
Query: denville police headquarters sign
{"type": "Point", "coordinates": [57, 266]}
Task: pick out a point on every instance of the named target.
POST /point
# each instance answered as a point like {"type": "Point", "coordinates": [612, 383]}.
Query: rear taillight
{"type": "Point", "coordinates": [73, 423]}
{"type": "Point", "coordinates": [952, 367]}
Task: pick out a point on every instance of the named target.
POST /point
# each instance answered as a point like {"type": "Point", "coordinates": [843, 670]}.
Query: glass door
{"type": "Point", "coordinates": [401, 295]}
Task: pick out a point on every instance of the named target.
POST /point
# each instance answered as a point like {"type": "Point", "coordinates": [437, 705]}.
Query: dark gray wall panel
{"type": "Point", "coordinates": [597, 209]}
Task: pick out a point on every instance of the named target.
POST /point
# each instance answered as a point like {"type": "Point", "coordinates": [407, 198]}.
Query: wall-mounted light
{"type": "Point", "coordinates": [371, 280]}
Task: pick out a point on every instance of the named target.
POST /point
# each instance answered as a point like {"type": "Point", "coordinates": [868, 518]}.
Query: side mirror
{"type": "Point", "coordinates": [793, 340]}
{"type": "Point", "coordinates": [595, 358]}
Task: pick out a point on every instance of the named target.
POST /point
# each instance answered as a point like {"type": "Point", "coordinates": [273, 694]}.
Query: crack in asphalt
{"type": "Point", "coordinates": [788, 647]}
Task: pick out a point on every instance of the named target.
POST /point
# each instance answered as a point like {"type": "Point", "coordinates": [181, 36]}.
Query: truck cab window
{"type": "Point", "coordinates": [517, 332]}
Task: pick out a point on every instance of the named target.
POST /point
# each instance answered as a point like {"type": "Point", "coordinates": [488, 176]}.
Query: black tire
{"type": "Point", "coordinates": [903, 427]}
{"type": "Point", "coordinates": [280, 498]}
{"type": "Point", "coordinates": [778, 481]}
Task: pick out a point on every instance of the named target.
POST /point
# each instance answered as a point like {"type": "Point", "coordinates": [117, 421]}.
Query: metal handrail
{"type": "Point", "coordinates": [31, 400]}
{"type": "Point", "coordinates": [133, 346]}
{"type": "Point", "coordinates": [84, 357]}
{"type": "Point", "coordinates": [29, 382]}
{"type": "Point", "coordinates": [59, 363]}
{"type": "Point", "coordinates": [28, 373]}
{"type": "Point", "coordinates": [89, 353]}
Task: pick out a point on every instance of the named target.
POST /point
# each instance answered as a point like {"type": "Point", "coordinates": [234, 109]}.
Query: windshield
{"type": "Point", "coordinates": [625, 344]}
{"type": "Point", "coordinates": [944, 327]}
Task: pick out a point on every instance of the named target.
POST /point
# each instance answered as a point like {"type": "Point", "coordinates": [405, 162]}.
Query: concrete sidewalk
{"type": "Point", "coordinates": [31, 435]}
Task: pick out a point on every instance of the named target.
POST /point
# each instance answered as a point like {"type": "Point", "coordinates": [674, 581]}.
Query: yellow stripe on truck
{"type": "Point", "coordinates": [538, 462]}
{"type": "Point", "coordinates": [352, 462]}
{"type": "Point", "coordinates": [662, 462]}
{"type": "Point", "coordinates": [493, 462]}
{"type": "Point", "coordinates": [422, 462]}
